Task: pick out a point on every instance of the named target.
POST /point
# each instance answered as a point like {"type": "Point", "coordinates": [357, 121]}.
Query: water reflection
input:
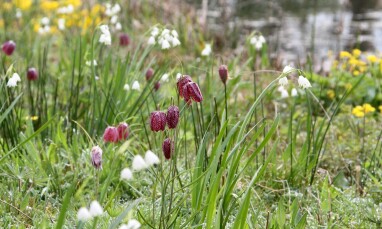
{"type": "Point", "coordinates": [295, 28]}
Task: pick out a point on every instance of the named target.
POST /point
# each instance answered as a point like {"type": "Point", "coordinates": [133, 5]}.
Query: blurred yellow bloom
{"type": "Point", "coordinates": [372, 58]}
{"type": "Point", "coordinates": [356, 52]}
{"type": "Point", "coordinates": [74, 3]}
{"type": "Point", "coordinates": [49, 5]}
{"type": "Point", "coordinates": [331, 94]}
{"type": "Point", "coordinates": [22, 4]}
{"type": "Point", "coordinates": [345, 54]}
{"type": "Point", "coordinates": [353, 61]}
{"type": "Point", "coordinates": [361, 111]}
{"type": "Point", "coordinates": [348, 86]}
{"type": "Point", "coordinates": [33, 118]}
{"type": "Point", "coordinates": [355, 72]}
{"type": "Point", "coordinates": [380, 109]}
{"type": "Point", "coordinates": [1, 23]}
{"type": "Point", "coordinates": [6, 6]}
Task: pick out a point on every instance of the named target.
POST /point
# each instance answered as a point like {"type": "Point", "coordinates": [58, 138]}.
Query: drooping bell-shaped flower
{"type": "Point", "coordinates": [124, 39]}
{"type": "Point", "coordinates": [110, 134]}
{"type": "Point", "coordinates": [168, 148]}
{"type": "Point", "coordinates": [123, 131]}
{"type": "Point", "coordinates": [149, 74]}
{"type": "Point", "coordinates": [8, 47]}
{"type": "Point", "coordinates": [183, 80]}
{"type": "Point", "coordinates": [158, 121]}
{"type": "Point", "coordinates": [223, 73]}
{"type": "Point", "coordinates": [96, 155]}
{"type": "Point", "coordinates": [32, 74]}
{"type": "Point", "coordinates": [172, 117]}
{"type": "Point", "coordinates": [191, 91]}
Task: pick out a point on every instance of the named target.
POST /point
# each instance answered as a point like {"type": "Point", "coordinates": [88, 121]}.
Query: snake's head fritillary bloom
{"type": "Point", "coordinates": [182, 81]}
{"type": "Point", "coordinates": [149, 74]}
{"type": "Point", "coordinates": [223, 73]}
{"type": "Point", "coordinates": [123, 131]}
{"type": "Point", "coordinates": [124, 39]}
{"type": "Point", "coordinates": [32, 74]}
{"type": "Point", "coordinates": [168, 148]}
{"type": "Point", "coordinates": [8, 47]}
{"type": "Point", "coordinates": [158, 121]}
{"type": "Point", "coordinates": [172, 117]}
{"type": "Point", "coordinates": [191, 91]}
{"type": "Point", "coordinates": [157, 86]}
{"type": "Point", "coordinates": [110, 134]}
{"type": "Point", "coordinates": [96, 154]}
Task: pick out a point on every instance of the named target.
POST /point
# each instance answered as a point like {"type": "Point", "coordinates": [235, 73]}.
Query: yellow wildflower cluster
{"type": "Point", "coordinates": [361, 111]}
{"type": "Point", "coordinates": [62, 14]}
{"type": "Point", "coordinates": [353, 63]}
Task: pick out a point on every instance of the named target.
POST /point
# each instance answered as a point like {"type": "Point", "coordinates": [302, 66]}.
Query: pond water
{"type": "Point", "coordinates": [295, 28]}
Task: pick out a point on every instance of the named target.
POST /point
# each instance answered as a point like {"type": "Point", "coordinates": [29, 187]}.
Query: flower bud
{"type": "Point", "coordinates": [124, 39]}
{"type": "Point", "coordinates": [8, 47]}
{"type": "Point", "coordinates": [158, 121]}
{"type": "Point", "coordinates": [32, 74]}
{"type": "Point", "coordinates": [172, 117]}
{"type": "Point", "coordinates": [223, 73]}
{"type": "Point", "coordinates": [157, 86]}
{"type": "Point", "coordinates": [110, 134]}
{"type": "Point", "coordinates": [191, 91]}
{"type": "Point", "coordinates": [149, 74]}
{"type": "Point", "coordinates": [123, 131]}
{"type": "Point", "coordinates": [183, 80]}
{"type": "Point", "coordinates": [96, 157]}
{"type": "Point", "coordinates": [168, 148]}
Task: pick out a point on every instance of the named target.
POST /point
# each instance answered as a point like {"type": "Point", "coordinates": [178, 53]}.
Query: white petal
{"type": "Point", "coordinates": [151, 158]}
{"type": "Point", "coordinates": [287, 69]}
{"type": "Point", "coordinates": [165, 44]}
{"type": "Point", "coordinates": [165, 77]}
{"type": "Point", "coordinates": [136, 86]}
{"type": "Point", "coordinates": [83, 214]}
{"type": "Point", "coordinates": [294, 92]}
{"type": "Point", "coordinates": [151, 41]}
{"type": "Point", "coordinates": [16, 77]}
{"type": "Point", "coordinates": [95, 209]}
{"type": "Point", "coordinates": [133, 224]}
{"type": "Point", "coordinates": [139, 163]}
{"type": "Point", "coordinates": [126, 87]}
{"type": "Point", "coordinates": [283, 81]}
{"type": "Point", "coordinates": [126, 174]}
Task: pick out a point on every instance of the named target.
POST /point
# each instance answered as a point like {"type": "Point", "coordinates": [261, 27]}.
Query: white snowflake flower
{"type": "Point", "coordinates": [139, 163]}
{"type": "Point", "coordinates": [294, 92]}
{"type": "Point", "coordinates": [83, 214]}
{"type": "Point", "coordinates": [89, 63]}
{"type": "Point", "coordinates": [207, 50]}
{"type": "Point", "coordinates": [287, 69]}
{"type": "Point", "coordinates": [61, 23]}
{"type": "Point", "coordinates": [165, 44]}
{"type": "Point", "coordinates": [126, 174]}
{"type": "Point", "coordinates": [283, 81]}
{"type": "Point", "coordinates": [151, 158]}
{"type": "Point", "coordinates": [126, 87]}
{"type": "Point", "coordinates": [95, 209]}
{"type": "Point", "coordinates": [151, 41]}
{"type": "Point", "coordinates": [165, 77]}
{"type": "Point", "coordinates": [105, 37]}
{"type": "Point", "coordinates": [304, 82]}
{"type": "Point", "coordinates": [136, 86]}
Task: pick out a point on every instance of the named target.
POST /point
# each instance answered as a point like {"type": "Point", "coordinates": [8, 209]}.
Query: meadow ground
{"type": "Point", "coordinates": [132, 115]}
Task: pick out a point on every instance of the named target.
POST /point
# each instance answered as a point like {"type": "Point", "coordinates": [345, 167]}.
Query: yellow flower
{"type": "Point", "coordinates": [356, 52]}
{"type": "Point", "coordinates": [372, 58]}
{"type": "Point", "coordinates": [380, 108]}
{"type": "Point", "coordinates": [331, 94]}
{"type": "Point", "coordinates": [6, 6]}
{"type": "Point", "coordinates": [353, 61]}
{"type": "Point", "coordinates": [22, 4]}
{"type": "Point", "coordinates": [361, 111]}
{"type": "Point", "coordinates": [49, 5]}
{"type": "Point", "coordinates": [74, 3]}
{"type": "Point", "coordinates": [1, 23]}
{"type": "Point", "coordinates": [348, 86]}
{"type": "Point", "coordinates": [345, 54]}
{"type": "Point", "coordinates": [355, 72]}
{"type": "Point", "coordinates": [33, 118]}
